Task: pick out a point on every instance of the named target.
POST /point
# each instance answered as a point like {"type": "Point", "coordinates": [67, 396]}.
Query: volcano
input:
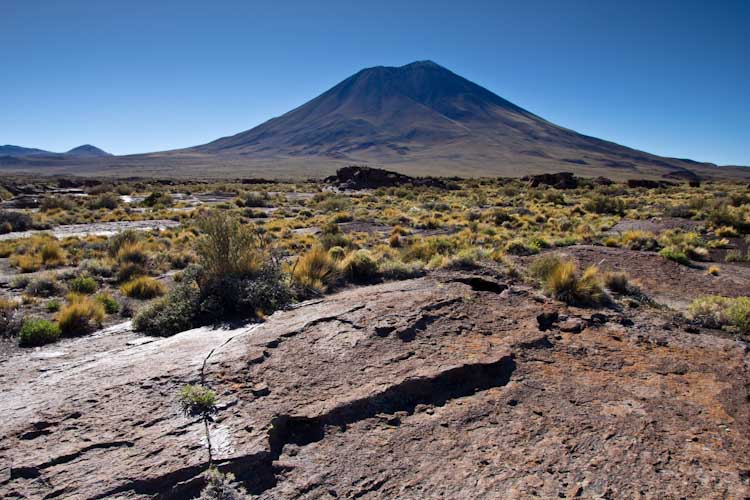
{"type": "Point", "coordinates": [421, 114]}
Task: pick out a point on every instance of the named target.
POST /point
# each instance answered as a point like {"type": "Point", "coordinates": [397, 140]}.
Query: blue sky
{"type": "Point", "coordinates": [668, 77]}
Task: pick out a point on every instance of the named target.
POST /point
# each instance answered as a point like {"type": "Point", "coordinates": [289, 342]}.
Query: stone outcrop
{"type": "Point", "coordinates": [355, 177]}
{"type": "Point", "coordinates": [560, 180]}
{"type": "Point", "coordinates": [649, 184]}
{"type": "Point", "coordinates": [438, 387]}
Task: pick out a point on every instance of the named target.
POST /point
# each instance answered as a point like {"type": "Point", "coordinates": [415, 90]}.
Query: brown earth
{"type": "Point", "coordinates": [437, 387]}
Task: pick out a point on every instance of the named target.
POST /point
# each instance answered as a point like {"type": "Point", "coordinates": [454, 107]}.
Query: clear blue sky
{"type": "Point", "coordinates": [668, 77]}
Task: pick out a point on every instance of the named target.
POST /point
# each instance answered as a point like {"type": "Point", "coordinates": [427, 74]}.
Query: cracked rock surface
{"type": "Point", "coordinates": [438, 387]}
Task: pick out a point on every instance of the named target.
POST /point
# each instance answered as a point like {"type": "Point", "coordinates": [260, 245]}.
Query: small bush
{"type": "Point", "coordinates": [37, 332]}
{"type": "Point", "coordinates": [169, 315]}
{"type": "Point", "coordinates": [81, 315]}
{"type": "Point", "coordinates": [197, 400]}
{"type": "Point", "coordinates": [227, 248]}
{"type": "Point", "coordinates": [360, 267]}
{"type": "Point", "coordinates": [11, 220]}
{"type": "Point", "coordinates": [108, 302]}
{"type": "Point", "coordinates": [316, 270]}
{"type": "Point", "coordinates": [602, 204]}
{"type": "Point", "coordinates": [542, 266]}
{"type": "Point", "coordinates": [119, 240]}
{"type": "Point", "coordinates": [675, 254]}
{"type": "Point", "coordinates": [45, 285]}
{"type": "Point", "coordinates": [53, 305]}
{"type": "Point", "coordinates": [617, 282]}
{"type": "Point", "coordinates": [110, 201]}
{"type": "Point", "coordinates": [722, 312]}
{"type": "Point", "coordinates": [144, 288]}
{"type": "Point", "coordinates": [521, 247]}
{"type": "Point", "coordinates": [393, 269]}
{"type": "Point", "coordinates": [564, 284]}
{"type": "Point", "coordinates": [132, 253]}
{"type": "Point", "coordinates": [11, 319]}
{"type": "Point", "coordinates": [52, 255]}
{"type": "Point", "coordinates": [158, 198]}
{"type": "Point", "coordinates": [219, 487]}
{"type": "Point", "coordinates": [27, 263]}
{"type": "Point", "coordinates": [83, 284]}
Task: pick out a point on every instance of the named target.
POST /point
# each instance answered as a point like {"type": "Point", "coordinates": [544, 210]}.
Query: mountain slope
{"type": "Point", "coordinates": [10, 150]}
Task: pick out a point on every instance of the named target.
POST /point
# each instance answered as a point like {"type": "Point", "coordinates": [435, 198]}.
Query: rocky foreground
{"type": "Point", "coordinates": [452, 386]}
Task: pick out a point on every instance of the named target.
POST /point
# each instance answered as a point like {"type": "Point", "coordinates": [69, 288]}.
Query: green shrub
{"type": "Point", "coordinates": [675, 254]}
{"type": "Point", "coordinates": [110, 201]}
{"type": "Point", "coordinates": [171, 314]}
{"type": "Point", "coordinates": [602, 204]}
{"type": "Point", "coordinates": [53, 305]}
{"type": "Point", "coordinates": [83, 284]}
{"type": "Point", "coordinates": [197, 400]}
{"type": "Point", "coordinates": [158, 198]}
{"type": "Point", "coordinates": [360, 267]}
{"type": "Point", "coordinates": [219, 487]}
{"type": "Point", "coordinates": [521, 247]}
{"type": "Point", "coordinates": [37, 332]}
{"type": "Point", "coordinates": [108, 302]}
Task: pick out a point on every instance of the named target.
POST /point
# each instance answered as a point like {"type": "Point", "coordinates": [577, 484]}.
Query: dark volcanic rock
{"type": "Point", "coordinates": [649, 184]}
{"type": "Point", "coordinates": [560, 180]}
{"type": "Point", "coordinates": [355, 177]}
{"type": "Point", "coordinates": [428, 388]}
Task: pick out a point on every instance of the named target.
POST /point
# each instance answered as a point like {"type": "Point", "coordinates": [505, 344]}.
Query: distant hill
{"type": "Point", "coordinates": [10, 150]}
{"type": "Point", "coordinates": [419, 119]}
{"type": "Point", "coordinates": [20, 152]}
{"type": "Point", "coordinates": [88, 150]}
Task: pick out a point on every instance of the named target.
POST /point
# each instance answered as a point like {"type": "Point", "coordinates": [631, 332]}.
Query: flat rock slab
{"type": "Point", "coordinates": [657, 225]}
{"type": "Point", "coordinates": [437, 387]}
{"type": "Point", "coordinates": [95, 228]}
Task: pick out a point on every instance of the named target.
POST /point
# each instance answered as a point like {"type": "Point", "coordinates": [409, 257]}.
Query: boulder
{"type": "Point", "coordinates": [560, 180]}
{"type": "Point", "coordinates": [357, 177]}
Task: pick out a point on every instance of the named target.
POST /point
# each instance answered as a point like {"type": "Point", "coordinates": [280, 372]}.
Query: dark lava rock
{"type": "Point", "coordinates": [560, 180]}
{"type": "Point", "coordinates": [356, 177]}
{"type": "Point", "coordinates": [649, 184]}
{"type": "Point", "coordinates": [546, 320]}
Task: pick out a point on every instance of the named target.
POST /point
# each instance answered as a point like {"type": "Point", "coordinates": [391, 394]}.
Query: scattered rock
{"type": "Point", "coordinates": [356, 177]}
{"type": "Point", "coordinates": [545, 320]}
{"type": "Point", "coordinates": [572, 325]}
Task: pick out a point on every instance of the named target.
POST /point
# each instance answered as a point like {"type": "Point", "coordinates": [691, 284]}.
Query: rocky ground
{"type": "Point", "coordinates": [455, 385]}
